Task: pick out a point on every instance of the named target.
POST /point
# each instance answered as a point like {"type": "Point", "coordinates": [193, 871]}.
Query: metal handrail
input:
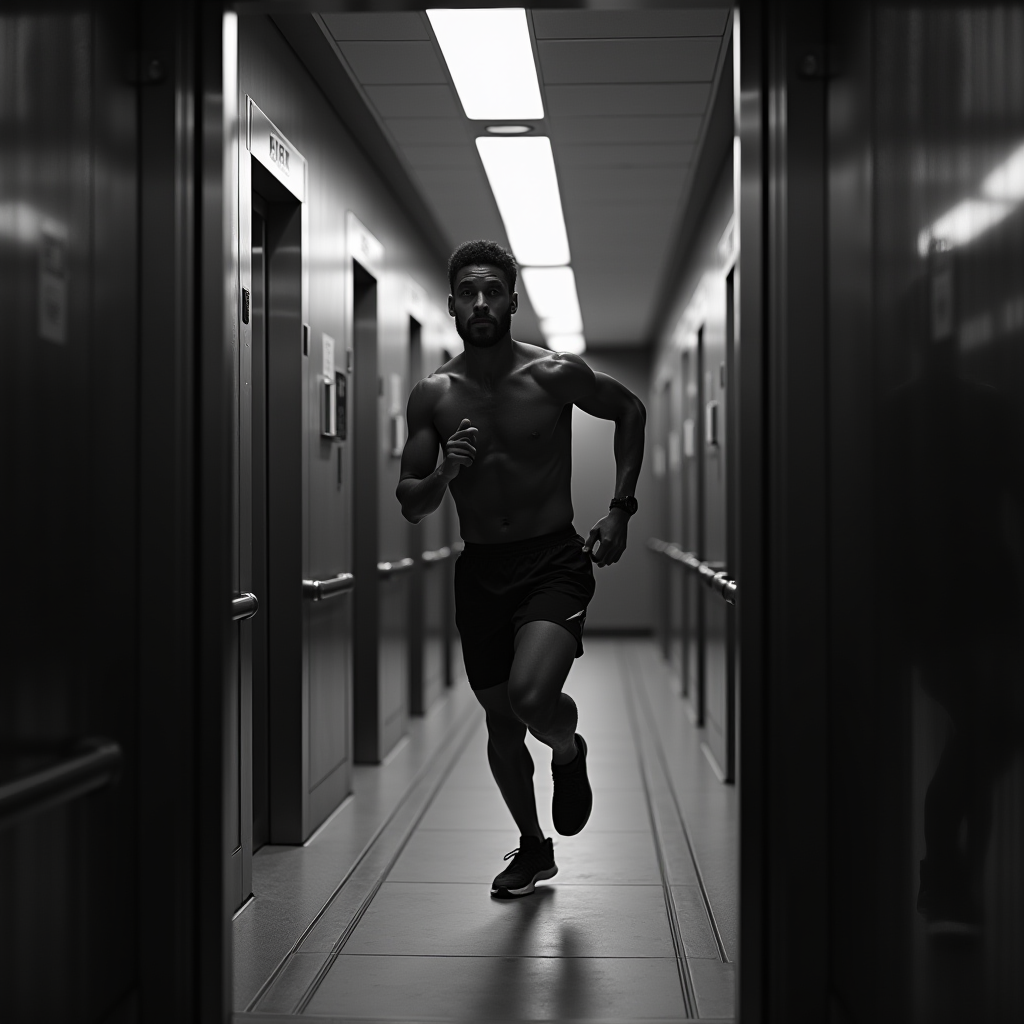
{"type": "Point", "coordinates": [245, 606]}
{"type": "Point", "coordinates": [385, 570]}
{"type": "Point", "coordinates": [319, 590]}
{"type": "Point", "coordinates": [93, 763]}
{"type": "Point", "coordinates": [711, 574]}
{"type": "Point", "coordinates": [433, 557]}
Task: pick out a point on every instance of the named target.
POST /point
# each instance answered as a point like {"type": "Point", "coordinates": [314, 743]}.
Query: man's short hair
{"type": "Point", "coordinates": [482, 251]}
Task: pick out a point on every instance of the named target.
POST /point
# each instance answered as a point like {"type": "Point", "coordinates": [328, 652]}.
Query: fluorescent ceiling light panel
{"type": "Point", "coordinates": [521, 172]}
{"type": "Point", "coordinates": [574, 343]}
{"type": "Point", "coordinates": [490, 58]}
{"type": "Point", "coordinates": [552, 292]}
{"type": "Point", "coordinates": [963, 223]}
{"type": "Point", "coordinates": [564, 323]}
{"type": "Point", "coordinates": [1007, 180]}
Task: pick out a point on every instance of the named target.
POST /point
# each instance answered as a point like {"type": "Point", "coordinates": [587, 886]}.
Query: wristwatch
{"type": "Point", "coordinates": [627, 504]}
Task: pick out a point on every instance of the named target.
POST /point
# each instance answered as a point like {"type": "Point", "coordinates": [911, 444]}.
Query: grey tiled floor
{"type": "Point", "coordinates": [420, 939]}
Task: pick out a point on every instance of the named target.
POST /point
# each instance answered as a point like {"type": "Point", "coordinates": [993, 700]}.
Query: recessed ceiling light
{"type": "Point", "coordinates": [521, 173]}
{"type": "Point", "coordinates": [509, 129]}
{"type": "Point", "coordinates": [490, 57]}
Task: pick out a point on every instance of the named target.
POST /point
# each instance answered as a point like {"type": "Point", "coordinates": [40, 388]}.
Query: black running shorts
{"type": "Point", "coordinates": [499, 587]}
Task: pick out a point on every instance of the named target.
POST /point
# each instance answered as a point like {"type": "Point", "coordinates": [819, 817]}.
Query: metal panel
{"type": "Point", "coordinates": [422, 131]}
{"type": "Point", "coordinates": [377, 25]}
{"type": "Point", "coordinates": [620, 155]}
{"type": "Point", "coordinates": [413, 100]}
{"type": "Point", "coordinates": [623, 24]}
{"type": "Point", "coordinates": [628, 60]}
{"type": "Point", "coordinates": [634, 129]}
{"type": "Point", "coordinates": [396, 63]}
{"type": "Point", "coordinates": [649, 99]}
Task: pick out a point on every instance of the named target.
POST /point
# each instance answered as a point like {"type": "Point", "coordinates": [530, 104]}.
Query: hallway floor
{"type": "Point", "coordinates": [385, 914]}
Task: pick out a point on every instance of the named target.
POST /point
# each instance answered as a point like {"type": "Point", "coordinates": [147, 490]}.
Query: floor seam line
{"type": "Point", "coordinates": [378, 832]}
{"type": "Point", "coordinates": [682, 965]}
{"type": "Point", "coordinates": [462, 741]}
{"type": "Point", "coordinates": [709, 910]}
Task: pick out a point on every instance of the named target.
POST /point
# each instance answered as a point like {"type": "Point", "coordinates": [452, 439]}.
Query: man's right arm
{"type": "Point", "coordinates": [423, 480]}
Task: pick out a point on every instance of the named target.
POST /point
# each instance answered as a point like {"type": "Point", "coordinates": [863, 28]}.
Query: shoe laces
{"type": "Point", "coordinates": [527, 852]}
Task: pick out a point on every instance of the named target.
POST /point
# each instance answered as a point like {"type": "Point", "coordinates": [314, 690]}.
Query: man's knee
{"type": "Point", "coordinates": [505, 730]}
{"type": "Point", "coordinates": [531, 705]}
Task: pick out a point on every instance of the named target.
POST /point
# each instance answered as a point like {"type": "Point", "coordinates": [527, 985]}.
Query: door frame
{"type": "Point", "coordinates": [287, 672]}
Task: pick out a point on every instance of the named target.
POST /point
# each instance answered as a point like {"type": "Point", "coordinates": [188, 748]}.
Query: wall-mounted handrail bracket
{"type": "Point", "coordinates": [385, 570]}
{"type": "Point", "coordinates": [87, 765]}
{"type": "Point", "coordinates": [320, 590]}
{"type": "Point", "coordinates": [711, 574]}
{"type": "Point", "coordinates": [433, 557]}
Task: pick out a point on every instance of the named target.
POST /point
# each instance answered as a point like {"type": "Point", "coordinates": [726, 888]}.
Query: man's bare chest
{"type": "Point", "coordinates": [519, 419]}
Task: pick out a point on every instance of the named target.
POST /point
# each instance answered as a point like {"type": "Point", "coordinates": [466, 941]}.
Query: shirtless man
{"type": "Point", "coordinates": [501, 415]}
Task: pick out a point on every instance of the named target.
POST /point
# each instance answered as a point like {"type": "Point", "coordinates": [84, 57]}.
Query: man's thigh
{"type": "Point", "coordinates": [544, 653]}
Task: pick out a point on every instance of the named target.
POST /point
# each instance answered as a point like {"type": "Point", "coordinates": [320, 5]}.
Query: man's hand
{"type": "Point", "coordinates": [459, 450]}
{"type": "Point", "coordinates": [607, 539]}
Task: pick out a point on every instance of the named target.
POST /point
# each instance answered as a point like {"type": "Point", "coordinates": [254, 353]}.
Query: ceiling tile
{"type": "Point", "coordinates": [425, 131]}
{"type": "Point", "coordinates": [624, 24]}
{"type": "Point", "coordinates": [384, 25]}
{"type": "Point", "coordinates": [401, 63]}
{"type": "Point", "coordinates": [467, 172]}
{"type": "Point", "coordinates": [414, 100]}
{"type": "Point", "coordinates": [659, 98]}
{"type": "Point", "coordinates": [573, 61]}
{"type": "Point", "coordinates": [622, 155]}
{"type": "Point", "coordinates": [624, 179]}
{"type": "Point", "coordinates": [436, 156]}
{"type": "Point", "coordinates": [570, 130]}
{"type": "Point", "coordinates": [584, 219]}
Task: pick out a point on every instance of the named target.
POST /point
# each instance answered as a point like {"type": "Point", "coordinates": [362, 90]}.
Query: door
{"type": "Point", "coordinates": [382, 558]}
{"type": "Point", "coordinates": [293, 706]}
{"type": "Point", "coordinates": [662, 566]}
{"type": "Point", "coordinates": [692, 525]}
{"type": "Point", "coordinates": [257, 625]}
{"type": "Point", "coordinates": [717, 614]}
{"type": "Point", "coordinates": [397, 554]}
{"type": "Point", "coordinates": [429, 582]}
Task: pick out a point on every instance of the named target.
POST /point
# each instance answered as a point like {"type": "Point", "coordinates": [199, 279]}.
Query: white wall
{"type": "Point", "coordinates": [625, 595]}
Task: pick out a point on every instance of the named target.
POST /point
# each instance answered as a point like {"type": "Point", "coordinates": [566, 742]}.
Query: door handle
{"type": "Point", "coordinates": [385, 570]}
{"type": "Point", "coordinates": [91, 764]}
{"type": "Point", "coordinates": [433, 557]}
{"type": "Point", "coordinates": [245, 606]}
{"type": "Point", "coordinates": [319, 590]}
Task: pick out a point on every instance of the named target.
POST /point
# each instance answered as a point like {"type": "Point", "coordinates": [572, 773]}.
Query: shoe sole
{"type": "Point", "coordinates": [511, 894]}
{"type": "Point", "coordinates": [583, 823]}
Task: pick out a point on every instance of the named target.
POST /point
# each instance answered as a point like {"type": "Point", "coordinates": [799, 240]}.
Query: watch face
{"type": "Point", "coordinates": [626, 504]}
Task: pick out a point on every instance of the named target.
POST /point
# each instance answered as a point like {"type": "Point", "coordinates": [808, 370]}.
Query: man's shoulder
{"type": "Point", "coordinates": [427, 392]}
{"type": "Point", "coordinates": [559, 370]}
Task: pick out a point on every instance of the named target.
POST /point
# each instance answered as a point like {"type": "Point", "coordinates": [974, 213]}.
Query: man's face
{"type": "Point", "coordinates": [482, 305]}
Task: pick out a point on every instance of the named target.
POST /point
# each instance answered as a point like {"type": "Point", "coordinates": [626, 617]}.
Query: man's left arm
{"type": "Point", "coordinates": [610, 400]}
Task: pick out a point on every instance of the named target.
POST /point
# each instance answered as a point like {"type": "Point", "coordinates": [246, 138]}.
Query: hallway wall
{"type": "Point", "coordinates": [625, 596]}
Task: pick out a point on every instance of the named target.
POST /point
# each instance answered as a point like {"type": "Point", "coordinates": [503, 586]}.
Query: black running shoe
{"type": "Point", "coordinates": [532, 862]}
{"type": "Point", "coordinates": [573, 799]}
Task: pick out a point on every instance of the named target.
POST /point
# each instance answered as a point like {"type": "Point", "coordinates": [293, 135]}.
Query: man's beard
{"type": "Point", "coordinates": [504, 326]}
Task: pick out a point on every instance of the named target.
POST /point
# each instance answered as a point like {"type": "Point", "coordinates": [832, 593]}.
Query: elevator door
{"type": "Point", "coordinates": [692, 526]}
{"type": "Point", "coordinates": [715, 444]}
{"type": "Point", "coordinates": [429, 592]}
{"type": "Point", "coordinates": [383, 562]}
{"type": "Point", "coordinates": [260, 752]}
